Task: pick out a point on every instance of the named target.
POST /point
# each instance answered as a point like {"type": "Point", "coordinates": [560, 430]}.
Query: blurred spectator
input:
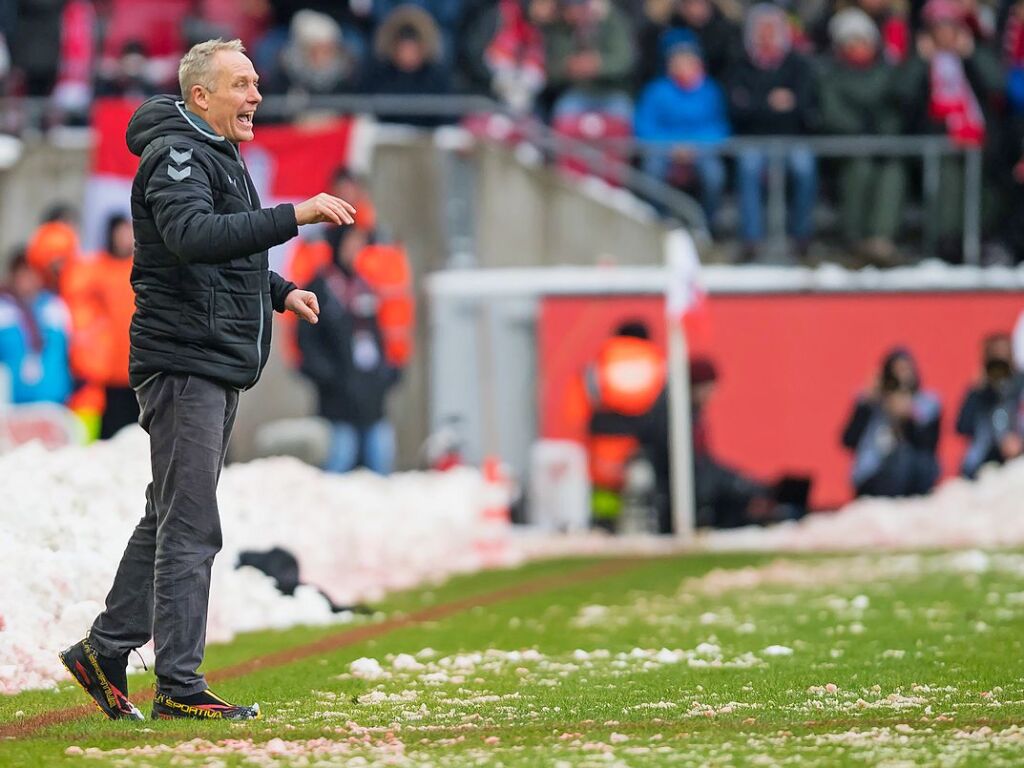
{"type": "Point", "coordinates": [408, 49]}
{"type": "Point", "coordinates": [103, 324]}
{"type": "Point", "coordinates": [158, 25]}
{"type": "Point", "coordinates": [348, 185]}
{"type": "Point", "coordinates": [128, 76]}
{"type": "Point", "coordinates": [890, 21]}
{"type": "Point", "coordinates": [1013, 52]}
{"type": "Point", "coordinates": [857, 98]}
{"type": "Point", "coordinates": [343, 355]}
{"type": "Point", "coordinates": [445, 13]}
{"type": "Point", "coordinates": [309, 255]}
{"type": "Point", "coordinates": [53, 252]}
{"type": "Point", "coordinates": [589, 55]}
{"type": "Point", "coordinates": [771, 92]}
{"type": "Point", "coordinates": [685, 105]}
{"type": "Point", "coordinates": [609, 410]}
{"type": "Point", "coordinates": [1011, 159]}
{"type": "Point", "coordinates": [893, 433]}
{"type": "Point", "coordinates": [719, 37]}
{"type": "Point", "coordinates": [501, 49]}
{"type": "Point", "coordinates": [353, 16]}
{"type": "Point", "coordinates": [946, 88]}
{"type": "Point", "coordinates": [992, 413]}
{"type": "Point", "coordinates": [35, 44]}
{"type": "Point", "coordinates": [72, 95]}
{"type": "Point", "coordinates": [34, 330]}
{"type": "Point", "coordinates": [315, 60]}
{"type": "Point", "coordinates": [723, 496]}
{"type": "Point", "coordinates": [515, 56]}
{"type": "Point", "coordinates": [247, 20]}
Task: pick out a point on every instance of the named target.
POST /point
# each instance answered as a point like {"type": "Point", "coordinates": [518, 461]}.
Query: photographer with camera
{"type": "Point", "coordinates": [893, 432]}
{"type": "Point", "coordinates": [991, 415]}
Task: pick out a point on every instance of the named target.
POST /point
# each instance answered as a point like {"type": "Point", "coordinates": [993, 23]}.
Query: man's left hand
{"type": "Point", "coordinates": [303, 304]}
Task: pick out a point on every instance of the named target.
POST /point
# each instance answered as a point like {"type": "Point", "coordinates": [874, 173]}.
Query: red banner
{"type": "Point", "coordinates": [287, 162]}
{"type": "Point", "coordinates": [301, 158]}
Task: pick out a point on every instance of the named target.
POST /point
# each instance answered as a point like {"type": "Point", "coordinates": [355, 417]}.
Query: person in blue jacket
{"type": "Point", "coordinates": [34, 329]}
{"type": "Point", "coordinates": [685, 106]}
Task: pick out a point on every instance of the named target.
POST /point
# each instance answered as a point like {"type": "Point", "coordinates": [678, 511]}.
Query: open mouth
{"type": "Point", "coordinates": [245, 119]}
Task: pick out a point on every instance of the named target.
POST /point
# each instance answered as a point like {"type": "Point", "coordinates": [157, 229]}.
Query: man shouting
{"type": "Point", "coordinates": [199, 336]}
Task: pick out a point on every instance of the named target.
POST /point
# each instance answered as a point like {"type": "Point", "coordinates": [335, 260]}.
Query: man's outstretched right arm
{"type": "Point", "coordinates": [181, 198]}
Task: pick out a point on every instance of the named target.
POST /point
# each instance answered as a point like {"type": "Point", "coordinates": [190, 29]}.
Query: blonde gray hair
{"type": "Point", "coordinates": [196, 67]}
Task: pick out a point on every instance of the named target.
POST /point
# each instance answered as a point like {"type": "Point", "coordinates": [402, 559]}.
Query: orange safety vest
{"type": "Point", "coordinates": [304, 261]}
{"type": "Point", "coordinates": [102, 302]}
{"type": "Point", "coordinates": [626, 378]}
{"type": "Point", "coordinates": [386, 269]}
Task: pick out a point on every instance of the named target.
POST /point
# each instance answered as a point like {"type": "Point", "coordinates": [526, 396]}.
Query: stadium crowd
{"type": "Point", "coordinates": [689, 72]}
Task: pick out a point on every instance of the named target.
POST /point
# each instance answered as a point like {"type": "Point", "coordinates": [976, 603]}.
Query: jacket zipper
{"type": "Point", "coordinates": [259, 335]}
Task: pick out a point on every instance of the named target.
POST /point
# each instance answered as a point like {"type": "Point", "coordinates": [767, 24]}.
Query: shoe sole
{"type": "Point", "coordinates": [161, 712]}
{"type": "Point", "coordinates": [85, 685]}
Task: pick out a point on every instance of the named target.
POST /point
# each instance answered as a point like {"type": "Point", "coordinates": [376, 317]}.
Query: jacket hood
{"type": "Point", "coordinates": [164, 116]}
{"type": "Point", "coordinates": [386, 39]}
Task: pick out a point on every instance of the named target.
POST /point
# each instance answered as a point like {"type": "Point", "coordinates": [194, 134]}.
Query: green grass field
{"type": "Point", "coordinates": [699, 660]}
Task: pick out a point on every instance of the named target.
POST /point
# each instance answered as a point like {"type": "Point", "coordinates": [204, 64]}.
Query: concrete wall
{"type": "Point", "coordinates": [46, 173]}
{"type": "Point", "coordinates": [535, 216]}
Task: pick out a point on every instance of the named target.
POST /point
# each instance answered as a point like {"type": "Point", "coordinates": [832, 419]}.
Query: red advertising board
{"type": "Point", "coordinates": [791, 366]}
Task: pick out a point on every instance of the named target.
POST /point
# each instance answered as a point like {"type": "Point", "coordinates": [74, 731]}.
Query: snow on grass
{"type": "Point", "coordinates": [66, 516]}
{"type": "Point", "coordinates": [641, 689]}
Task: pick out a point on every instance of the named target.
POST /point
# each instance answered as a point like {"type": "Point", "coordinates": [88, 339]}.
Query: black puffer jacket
{"type": "Point", "coordinates": [203, 290]}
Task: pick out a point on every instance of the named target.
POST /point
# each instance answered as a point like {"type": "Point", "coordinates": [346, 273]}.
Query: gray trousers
{"type": "Point", "coordinates": [162, 587]}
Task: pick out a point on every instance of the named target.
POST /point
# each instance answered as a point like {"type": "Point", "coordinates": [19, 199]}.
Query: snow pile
{"type": "Point", "coordinates": [66, 515]}
{"type": "Point", "coordinates": [986, 513]}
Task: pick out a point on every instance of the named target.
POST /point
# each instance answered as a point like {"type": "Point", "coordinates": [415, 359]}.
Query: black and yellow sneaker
{"type": "Point", "coordinates": [105, 679]}
{"type": "Point", "coordinates": [205, 705]}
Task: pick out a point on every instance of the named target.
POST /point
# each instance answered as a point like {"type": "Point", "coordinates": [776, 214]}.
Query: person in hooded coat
{"type": "Point", "coordinates": [409, 61]}
{"type": "Point", "coordinates": [343, 355]}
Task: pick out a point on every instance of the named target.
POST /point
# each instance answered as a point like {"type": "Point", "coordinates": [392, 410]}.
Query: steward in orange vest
{"type": "Point", "coordinates": [612, 399]}
{"type": "Point", "coordinates": [54, 253]}
{"type": "Point", "coordinates": [109, 299]}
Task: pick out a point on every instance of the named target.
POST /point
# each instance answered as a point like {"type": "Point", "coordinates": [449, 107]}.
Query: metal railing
{"type": "Point", "coordinates": [930, 150]}
{"type": "Point", "coordinates": [546, 139]}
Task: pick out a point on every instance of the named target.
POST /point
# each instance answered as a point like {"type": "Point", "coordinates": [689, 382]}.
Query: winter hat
{"type": "Point", "coordinates": [679, 41]}
{"type": "Point", "coordinates": [702, 371]}
{"type": "Point", "coordinates": [937, 11]}
{"type": "Point", "coordinates": [51, 244]}
{"type": "Point", "coordinates": [312, 28]}
{"type": "Point", "coordinates": [852, 24]}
